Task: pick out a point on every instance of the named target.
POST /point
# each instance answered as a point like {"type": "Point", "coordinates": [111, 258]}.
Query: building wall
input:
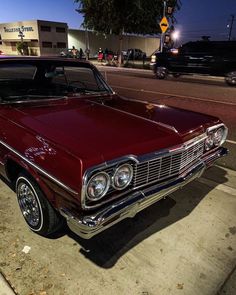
{"type": "Point", "coordinates": [39, 41]}
{"type": "Point", "coordinates": [77, 38]}
{"type": "Point", "coordinates": [10, 36]}
{"type": "Point", "coordinates": [52, 38]}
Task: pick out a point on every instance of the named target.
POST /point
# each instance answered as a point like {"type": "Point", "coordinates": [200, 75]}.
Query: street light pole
{"type": "Point", "coordinates": [231, 26]}
{"type": "Point", "coordinates": [163, 34]}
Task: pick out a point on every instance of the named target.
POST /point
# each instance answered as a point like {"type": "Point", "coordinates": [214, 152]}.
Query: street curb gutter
{"type": "Point", "coordinates": [5, 288]}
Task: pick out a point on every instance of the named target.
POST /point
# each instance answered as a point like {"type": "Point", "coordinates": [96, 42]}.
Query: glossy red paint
{"type": "Point", "coordinates": [67, 137]}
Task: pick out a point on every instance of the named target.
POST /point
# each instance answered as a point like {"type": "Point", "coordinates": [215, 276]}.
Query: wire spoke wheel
{"type": "Point", "coordinates": [28, 204]}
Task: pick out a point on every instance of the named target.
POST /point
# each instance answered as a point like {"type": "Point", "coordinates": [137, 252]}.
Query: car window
{"type": "Point", "coordinates": [47, 80]}
{"type": "Point", "coordinates": [17, 71]}
{"type": "Point", "coordinates": [81, 78]}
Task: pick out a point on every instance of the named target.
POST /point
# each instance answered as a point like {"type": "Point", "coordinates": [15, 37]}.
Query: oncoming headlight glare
{"type": "Point", "coordinates": [98, 186]}
{"type": "Point", "coordinates": [122, 176]}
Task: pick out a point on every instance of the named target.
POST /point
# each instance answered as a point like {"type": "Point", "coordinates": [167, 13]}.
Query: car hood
{"type": "Point", "coordinates": [98, 130]}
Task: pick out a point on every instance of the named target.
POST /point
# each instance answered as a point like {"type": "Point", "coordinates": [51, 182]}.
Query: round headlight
{"type": "Point", "coordinates": [122, 176]}
{"type": "Point", "coordinates": [98, 186]}
{"type": "Point", "coordinates": [209, 142]}
{"type": "Point", "coordinates": [218, 136]}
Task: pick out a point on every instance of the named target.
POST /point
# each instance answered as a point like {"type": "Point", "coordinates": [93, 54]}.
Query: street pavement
{"type": "Point", "coordinates": [185, 244]}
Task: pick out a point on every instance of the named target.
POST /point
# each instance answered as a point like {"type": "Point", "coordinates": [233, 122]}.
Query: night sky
{"type": "Point", "coordinates": [196, 17]}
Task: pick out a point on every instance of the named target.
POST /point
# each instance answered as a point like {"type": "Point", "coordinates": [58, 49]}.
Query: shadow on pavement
{"type": "Point", "coordinates": [106, 248]}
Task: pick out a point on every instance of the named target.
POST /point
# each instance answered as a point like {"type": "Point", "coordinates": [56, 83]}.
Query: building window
{"type": "Point", "coordinates": [60, 30]}
{"type": "Point", "coordinates": [61, 45]}
{"type": "Point", "coordinates": [46, 28]}
{"type": "Point", "coordinates": [13, 46]}
{"type": "Point", "coordinates": [47, 44]}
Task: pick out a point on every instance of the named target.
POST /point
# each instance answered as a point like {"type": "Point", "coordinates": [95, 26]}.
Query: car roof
{"type": "Point", "coordinates": [35, 60]}
{"type": "Point", "coordinates": [41, 58]}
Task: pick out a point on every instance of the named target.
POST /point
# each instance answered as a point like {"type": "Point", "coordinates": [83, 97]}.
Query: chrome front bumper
{"type": "Point", "coordinates": [89, 225]}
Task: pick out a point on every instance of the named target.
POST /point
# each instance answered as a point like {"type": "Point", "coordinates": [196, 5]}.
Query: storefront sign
{"type": "Point", "coordinates": [19, 29]}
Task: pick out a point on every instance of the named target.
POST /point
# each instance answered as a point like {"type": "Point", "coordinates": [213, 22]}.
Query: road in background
{"type": "Point", "coordinates": [208, 95]}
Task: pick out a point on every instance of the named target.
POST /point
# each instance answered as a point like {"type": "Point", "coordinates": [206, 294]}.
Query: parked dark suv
{"type": "Point", "coordinates": [217, 58]}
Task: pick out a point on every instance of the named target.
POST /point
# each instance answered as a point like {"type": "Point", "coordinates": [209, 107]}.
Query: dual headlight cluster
{"type": "Point", "coordinates": [215, 137]}
{"type": "Point", "coordinates": [99, 184]}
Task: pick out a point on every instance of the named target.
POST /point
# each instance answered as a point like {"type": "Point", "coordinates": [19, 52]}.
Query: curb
{"type": "Point", "coordinates": [5, 288]}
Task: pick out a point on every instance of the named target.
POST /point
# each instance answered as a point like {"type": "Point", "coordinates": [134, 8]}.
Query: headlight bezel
{"type": "Point", "coordinates": [211, 131]}
{"type": "Point", "coordinates": [114, 175]}
{"type": "Point", "coordinates": [104, 191]}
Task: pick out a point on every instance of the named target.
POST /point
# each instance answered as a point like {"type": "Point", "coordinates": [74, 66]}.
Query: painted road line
{"type": "Point", "coordinates": [231, 141]}
{"type": "Point", "coordinates": [174, 95]}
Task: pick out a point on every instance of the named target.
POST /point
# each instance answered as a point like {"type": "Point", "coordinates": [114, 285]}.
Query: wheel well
{"type": "Point", "coordinates": [13, 169]}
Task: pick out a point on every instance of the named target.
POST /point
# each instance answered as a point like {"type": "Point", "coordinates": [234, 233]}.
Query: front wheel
{"type": "Point", "coordinates": [161, 73]}
{"type": "Point", "coordinates": [35, 208]}
{"type": "Point", "coordinates": [231, 78]}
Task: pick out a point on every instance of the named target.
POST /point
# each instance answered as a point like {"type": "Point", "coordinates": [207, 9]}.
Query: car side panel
{"type": "Point", "coordinates": [35, 156]}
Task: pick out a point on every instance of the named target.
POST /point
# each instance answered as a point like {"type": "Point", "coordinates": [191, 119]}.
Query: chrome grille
{"type": "Point", "coordinates": [166, 166]}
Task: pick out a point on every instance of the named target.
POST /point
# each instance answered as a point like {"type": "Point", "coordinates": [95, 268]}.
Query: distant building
{"type": "Point", "coordinates": [95, 41]}
{"type": "Point", "coordinates": [42, 37]}
{"type": "Point", "coordinates": [50, 38]}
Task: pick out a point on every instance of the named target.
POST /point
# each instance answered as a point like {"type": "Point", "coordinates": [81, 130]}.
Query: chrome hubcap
{"type": "Point", "coordinates": [28, 204]}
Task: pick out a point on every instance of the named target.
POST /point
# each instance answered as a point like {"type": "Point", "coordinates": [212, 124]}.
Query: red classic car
{"type": "Point", "coordinates": [76, 151]}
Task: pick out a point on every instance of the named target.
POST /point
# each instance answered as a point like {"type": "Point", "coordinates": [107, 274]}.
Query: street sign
{"type": "Point", "coordinates": [164, 24]}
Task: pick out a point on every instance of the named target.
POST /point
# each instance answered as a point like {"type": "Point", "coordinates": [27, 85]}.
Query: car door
{"type": "Point", "coordinates": [177, 60]}
{"type": "Point", "coordinates": [3, 149]}
{"type": "Point", "coordinates": [200, 58]}
{"type": "Point", "coordinates": [192, 57]}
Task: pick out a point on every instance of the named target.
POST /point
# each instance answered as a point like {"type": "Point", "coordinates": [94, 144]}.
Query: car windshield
{"type": "Point", "coordinates": [48, 80]}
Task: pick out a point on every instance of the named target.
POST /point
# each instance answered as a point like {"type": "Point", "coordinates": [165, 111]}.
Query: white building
{"type": "Point", "coordinates": [42, 37]}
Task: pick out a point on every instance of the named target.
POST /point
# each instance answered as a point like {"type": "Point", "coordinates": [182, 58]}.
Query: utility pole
{"type": "Point", "coordinates": [231, 26]}
{"type": "Point", "coordinates": [163, 34]}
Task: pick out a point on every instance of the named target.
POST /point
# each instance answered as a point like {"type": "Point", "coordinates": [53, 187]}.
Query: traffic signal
{"type": "Point", "coordinates": [169, 10]}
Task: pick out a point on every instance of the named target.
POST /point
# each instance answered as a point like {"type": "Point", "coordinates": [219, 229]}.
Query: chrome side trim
{"type": "Point", "coordinates": [39, 169]}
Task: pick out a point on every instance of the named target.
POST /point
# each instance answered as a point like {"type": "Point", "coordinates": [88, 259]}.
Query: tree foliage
{"type": "Point", "coordinates": [129, 16]}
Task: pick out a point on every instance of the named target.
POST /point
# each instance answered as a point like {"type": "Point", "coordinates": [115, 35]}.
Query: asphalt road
{"type": "Point", "coordinates": [208, 95]}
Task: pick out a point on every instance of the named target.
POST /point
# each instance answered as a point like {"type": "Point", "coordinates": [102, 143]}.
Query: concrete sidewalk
{"type": "Point", "coordinates": [5, 289]}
